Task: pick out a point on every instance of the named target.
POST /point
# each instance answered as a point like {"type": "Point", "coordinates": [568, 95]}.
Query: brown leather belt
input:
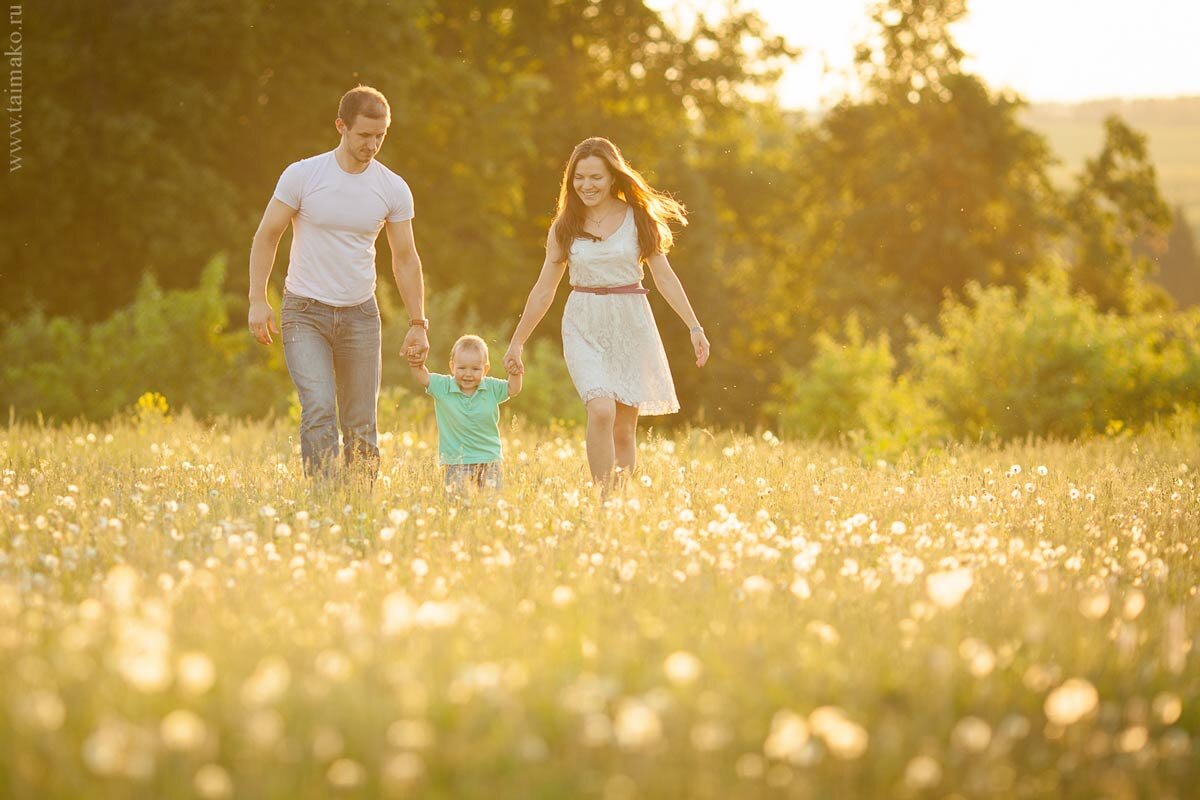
{"type": "Point", "coordinates": [633, 288]}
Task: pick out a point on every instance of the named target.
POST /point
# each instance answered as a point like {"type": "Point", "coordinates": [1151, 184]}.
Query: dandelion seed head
{"type": "Point", "coordinates": [596, 729]}
{"type": "Point", "coordinates": [212, 782]}
{"type": "Point", "coordinates": [947, 588]}
{"type": "Point", "coordinates": [637, 725]}
{"type": "Point", "coordinates": [1071, 702]}
{"type": "Point", "coordinates": [142, 656]}
{"type": "Point", "coordinates": [410, 734]}
{"type": "Point", "coordinates": [195, 672]}
{"type": "Point", "coordinates": [263, 728]}
{"type": "Point", "coordinates": [1133, 739]}
{"type": "Point", "coordinates": [346, 773]}
{"type": "Point", "coordinates": [334, 665]}
{"type": "Point", "coordinates": [1168, 707]}
{"type": "Point", "coordinates": [118, 748]}
{"type": "Point", "coordinates": [844, 738]}
{"type": "Point", "coordinates": [922, 772]}
{"type": "Point", "coordinates": [40, 709]}
{"type": "Point", "coordinates": [788, 737]}
{"type": "Point", "coordinates": [800, 589]}
{"type": "Point", "coordinates": [562, 596]}
{"type": "Point", "coordinates": [268, 683]}
{"type": "Point", "coordinates": [710, 735]}
{"type": "Point", "coordinates": [757, 585]}
{"type": "Point", "coordinates": [971, 735]}
{"type": "Point", "coordinates": [182, 730]}
{"type": "Point", "coordinates": [1094, 604]}
{"type": "Point", "coordinates": [121, 586]}
{"type": "Point", "coordinates": [682, 668]}
{"type": "Point", "coordinates": [434, 615]}
{"type": "Point", "coordinates": [403, 768]}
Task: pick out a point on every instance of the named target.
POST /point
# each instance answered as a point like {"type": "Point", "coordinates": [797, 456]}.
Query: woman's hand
{"type": "Point", "coordinates": [513, 364]}
{"type": "Point", "coordinates": [700, 345]}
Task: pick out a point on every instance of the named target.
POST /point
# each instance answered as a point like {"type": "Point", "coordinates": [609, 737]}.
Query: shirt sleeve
{"type": "Point", "coordinates": [400, 206]}
{"type": "Point", "coordinates": [291, 185]}
{"type": "Point", "coordinates": [439, 385]}
{"type": "Point", "coordinates": [499, 388]}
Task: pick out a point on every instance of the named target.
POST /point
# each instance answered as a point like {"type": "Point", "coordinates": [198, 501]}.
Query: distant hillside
{"type": "Point", "coordinates": [1075, 132]}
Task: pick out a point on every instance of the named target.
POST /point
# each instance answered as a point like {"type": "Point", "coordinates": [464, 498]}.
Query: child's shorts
{"type": "Point", "coordinates": [462, 477]}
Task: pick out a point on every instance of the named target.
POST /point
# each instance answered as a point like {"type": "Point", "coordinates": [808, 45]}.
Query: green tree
{"type": "Point", "coordinates": [1116, 199]}
{"type": "Point", "coordinates": [928, 182]}
{"type": "Point", "coordinates": [1179, 267]}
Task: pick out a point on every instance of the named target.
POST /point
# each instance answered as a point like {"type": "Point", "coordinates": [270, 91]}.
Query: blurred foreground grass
{"type": "Point", "coordinates": [182, 615]}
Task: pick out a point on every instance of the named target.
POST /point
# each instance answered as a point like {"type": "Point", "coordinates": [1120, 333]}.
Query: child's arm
{"type": "Point", "coordinates": [514, 383]}
{"type": "Point", "coordinates": [421, 373]}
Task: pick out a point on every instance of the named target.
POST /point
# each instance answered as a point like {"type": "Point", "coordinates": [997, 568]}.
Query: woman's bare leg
{"type": "Point", "coordinates": [601, 416]}
{"type": "Point", "coordinates": [625, 437]}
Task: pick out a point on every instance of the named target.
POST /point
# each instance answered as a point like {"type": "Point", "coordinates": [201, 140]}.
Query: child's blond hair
{"type": "Point", "coordinates": [472, 341]}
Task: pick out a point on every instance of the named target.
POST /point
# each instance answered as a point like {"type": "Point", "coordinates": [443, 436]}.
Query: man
{"type": "Point", "coordinates": [336, 203]}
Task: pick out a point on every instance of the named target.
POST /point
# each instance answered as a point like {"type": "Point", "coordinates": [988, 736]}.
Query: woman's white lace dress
{"type": "Point", "coordinates": [610, 341]}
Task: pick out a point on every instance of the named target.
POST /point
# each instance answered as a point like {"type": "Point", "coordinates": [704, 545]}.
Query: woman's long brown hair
{"type": "Point", "coordinates": [653, 211]}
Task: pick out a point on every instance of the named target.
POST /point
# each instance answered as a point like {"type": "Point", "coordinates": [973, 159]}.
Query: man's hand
{"type": "Point", "coordinates": [513, 364]}
{"type": "Point", "coordinates": [416, 346]}
{"type": "Point", "coordinates": [262, 321]}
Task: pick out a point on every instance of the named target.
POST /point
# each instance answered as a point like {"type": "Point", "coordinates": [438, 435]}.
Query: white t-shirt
{"type": "Point", "coordinates": [340, 214]}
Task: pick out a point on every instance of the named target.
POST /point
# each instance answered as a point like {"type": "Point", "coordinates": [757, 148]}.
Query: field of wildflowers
{"type": "Point", "coordinates": [182, 615]}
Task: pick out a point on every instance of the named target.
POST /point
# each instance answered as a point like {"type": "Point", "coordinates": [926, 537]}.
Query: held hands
{"type": "Point", "coordinates": [513, 364]}
{"type": "Point", "coordinates": [700, 344]}
{"type": "Point", "coordinates": [261, 320]}
{"type": "Point", "coordinates": [416, 346]}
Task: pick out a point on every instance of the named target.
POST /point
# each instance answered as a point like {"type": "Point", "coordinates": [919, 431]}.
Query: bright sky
{"type": "Point", "coordinates": [1045, 49]}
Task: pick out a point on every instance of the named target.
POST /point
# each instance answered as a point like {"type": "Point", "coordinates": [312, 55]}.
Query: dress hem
{"type": "Point", "coordinates": [646, 408]}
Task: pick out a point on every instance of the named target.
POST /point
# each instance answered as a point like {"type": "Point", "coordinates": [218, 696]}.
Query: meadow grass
{"type": "Point", "coordinates": [183, 615]}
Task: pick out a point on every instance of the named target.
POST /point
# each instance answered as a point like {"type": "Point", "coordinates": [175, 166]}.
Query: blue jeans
{"type": "Point", "coordinates": [334, 355]}
{"type": "Point", "coordinates": [461, 478]}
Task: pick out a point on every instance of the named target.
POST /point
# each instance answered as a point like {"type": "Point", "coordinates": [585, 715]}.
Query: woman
{"type": "Point", "coordinates": [609, 223]}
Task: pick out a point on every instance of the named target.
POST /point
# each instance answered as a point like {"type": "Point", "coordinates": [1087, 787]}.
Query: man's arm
{"type": "Point", "coordinates": [275, 221]}
{"type": "Point", "coordinates": [406, 268]}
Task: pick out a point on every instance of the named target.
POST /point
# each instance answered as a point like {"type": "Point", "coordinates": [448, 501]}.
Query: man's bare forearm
{"type": "Point", "coordinates": [411, 283]}
{"type": "Point", "coordinates": [262, 260]}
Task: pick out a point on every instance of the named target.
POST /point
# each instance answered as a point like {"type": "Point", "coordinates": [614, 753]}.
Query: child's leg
{"type": "Point", "coordinates": [487, 476]}
{"type": "Point", "coordinates": [457, 478]}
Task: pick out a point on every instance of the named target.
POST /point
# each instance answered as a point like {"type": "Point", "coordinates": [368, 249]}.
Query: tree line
{"type": "Point", "coordinates": [158, 131]}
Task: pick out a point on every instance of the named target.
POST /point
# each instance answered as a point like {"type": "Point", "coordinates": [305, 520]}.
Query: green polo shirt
{"type": "Point", "coordinates": [468, 427]}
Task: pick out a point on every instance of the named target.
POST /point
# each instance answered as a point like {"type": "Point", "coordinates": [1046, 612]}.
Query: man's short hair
{"type": "Point", "coordinates": [364, 101]}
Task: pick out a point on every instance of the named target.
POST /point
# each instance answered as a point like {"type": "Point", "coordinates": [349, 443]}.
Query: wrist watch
{"type": "Point", "coordinates": [423, 322]}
